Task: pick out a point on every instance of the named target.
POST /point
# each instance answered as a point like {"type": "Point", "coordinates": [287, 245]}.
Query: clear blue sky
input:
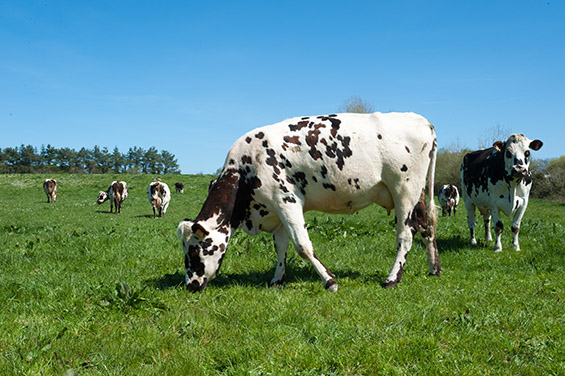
{"type": "Point", "coordinates": [190, 77]}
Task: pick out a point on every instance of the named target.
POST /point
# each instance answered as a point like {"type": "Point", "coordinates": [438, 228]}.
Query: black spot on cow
{"type": "Point", "coordinates": [335, 126]}
{"type": "Point", "coordinates": [407, 149]}
{"type": "Point", "coordinates": [329, 186]}
{"type": "Point", "coordinates": [289, 199]}
{"type": "Point", "coordinates": [231, 162]}
{"type": "Point", "coordinates": [260, 135]}
{"type": "Point", "coordinates": [265, 144]}
{"type": "Point", "coordinates": [324, 171]}
{"type": "Point", "coordinates": [248, 140]}
{"type": "Point", "coordinates": [404, 168]}
{"type": "Point", "coordinates": [300, 178]}
{"type": "Point", "coordinates": [292, 140]}
{"type": "Point", "coordinates": [315, 179]}
{"type": "Point", "coordinates": [501, 196]}
{"type": "Point", "coordinates": [246, 159]}
{"type": "Point", "coordinates": [305, 118]}
{"type": "Point", "coordinates": [263, 213]}
{"type": "Point", "coordinates": [379, 136]}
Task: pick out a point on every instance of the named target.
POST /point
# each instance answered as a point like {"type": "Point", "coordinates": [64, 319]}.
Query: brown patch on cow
{"type": "Point", "coordinates": [246, 159]}
{"type": "Point", "coordinates": [248, 140]}
{"type": "Point", "coordinates": [260, 135]}
{"type": "Point", "coordinates": [299, 126]}
{"type": "Point", "coordinates": [379, 136]}
{"type": "Point", "coordinates": [407, 149]}
{"type": "Point", "coordinates": [292, 140]}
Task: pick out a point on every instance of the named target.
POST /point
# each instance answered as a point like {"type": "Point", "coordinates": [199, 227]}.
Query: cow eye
{"type": "Point", "coordinates": [527, 153]}
{"type": "Point", "coordinates": [508, 154]}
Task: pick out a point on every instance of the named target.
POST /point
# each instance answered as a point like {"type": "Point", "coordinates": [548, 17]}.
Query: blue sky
{"type": "Point", "coordinates": [190, 77]}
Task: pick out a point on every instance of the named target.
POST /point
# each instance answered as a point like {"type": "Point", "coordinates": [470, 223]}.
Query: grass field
{"type": "Point", "coordinates": [86, 292]}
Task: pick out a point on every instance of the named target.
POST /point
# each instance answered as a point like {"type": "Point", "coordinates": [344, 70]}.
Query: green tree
{"type": "Point", "coordinates": [117, 161]}
{"type": "Point", "coordinates": [170, 164]}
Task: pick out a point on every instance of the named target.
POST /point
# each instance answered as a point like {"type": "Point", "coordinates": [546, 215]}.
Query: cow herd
{"type": "Point", "coordinates": [340, 164]}
{"type": "Point", "coordinates": [158, 194]}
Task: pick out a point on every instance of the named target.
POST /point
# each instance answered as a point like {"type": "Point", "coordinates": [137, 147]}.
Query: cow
{"type": "Point", "coordinates": [179, 187]}
{"type": "Point", "coordinates": [116, 193]}
{"type": "Point", "coordinates": [496, 180]}
{"type": "Point", "coordinates": [50, 189]}
{"type": "Point", "coordinates": [330, 163]}
{"type": "Point", "coordinates": [159, 196]}
{"type": "Point", "coordinates": [448, 199]}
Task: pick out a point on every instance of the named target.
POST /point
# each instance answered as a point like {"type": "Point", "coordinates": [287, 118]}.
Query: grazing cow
{"type": "Point", "coordinates": [497, 180]}
{"type": "Point", "coordinates": [116, 193]}
{"type": "Point", "coordinates": [448, 199]}
{"type": "Point", "coordinates": [179, 187]}
{"type": "Point", "coordinates": [159, 196]}
{"type": "Point", "coordinates": [335, 164]}
{"type": "Point", "coordinates": [50, 189]}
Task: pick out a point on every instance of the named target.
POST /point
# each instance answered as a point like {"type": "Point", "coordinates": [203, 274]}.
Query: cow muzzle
{"type": "Point", "coordinates": [519, 172]}
{"type": "Point", "coordinates": [195, 286]}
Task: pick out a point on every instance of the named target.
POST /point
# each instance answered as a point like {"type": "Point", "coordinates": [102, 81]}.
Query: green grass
{"type": "Point", "coordinates": [85, 292]}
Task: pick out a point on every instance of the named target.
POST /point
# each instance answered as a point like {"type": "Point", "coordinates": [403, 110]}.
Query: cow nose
{"type": "Point", "coordinates": [519, 171]}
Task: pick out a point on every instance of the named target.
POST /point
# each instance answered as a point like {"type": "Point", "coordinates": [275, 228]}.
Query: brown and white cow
{"type": "Point", "coordinates": [116, 193]}
{"type": "Point", "coordinates": [159, 195]}
{"type": "Point", "coordinates": [335, 164]}
{"type": "Point", "coordinates": [448, 198]}
{"type": "Point", "coordinates": [50, 189]}
{"type": "Point", "coordinates": [496, 180]}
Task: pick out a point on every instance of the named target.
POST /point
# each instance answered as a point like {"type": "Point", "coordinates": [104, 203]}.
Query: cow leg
{"type": "Point", "coordinates": [404, 243]}
{"type": "Point", "coordinates": [281, 240]}
{"type": "Point", "coordinates": [516, 221]}
{"type": "Point", "coordinates": [471, 221]}
{"type": "Point", "coordinates": [498, 228]}
{"type": "Point", "coordinates": [486, 218]}
{"type": "Point", "coordinates": [293, 219]}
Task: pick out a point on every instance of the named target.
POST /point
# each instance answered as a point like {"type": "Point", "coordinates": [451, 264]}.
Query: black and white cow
{"type": "Point", "coordinates": [117, 192]}
{"type": "Point", "coordinates": [496, 180]}
{"type": "Point", "coordinates": [179, 187]}
{"type": "Point", "coordinates": [448, 198]}
{"type": "Point", "coordinates": [335, 164]}
{"type": "Point", "coordinates": [159, 195]}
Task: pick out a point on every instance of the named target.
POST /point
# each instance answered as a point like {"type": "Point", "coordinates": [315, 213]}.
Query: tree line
{"type": "Point", "coordinates": [98, 160]}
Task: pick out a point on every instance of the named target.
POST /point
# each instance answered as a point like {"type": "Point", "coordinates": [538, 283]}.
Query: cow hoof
{"type": "Point", "coordinates": [516, 247]}
{"type": "Point", "coordinates": [331, 285]}
{"type": "Point", "coordinates": [277, 283]}
{"type": "Point", "coordinates": [390, 284]}
{"type": "Point", "coordinates": [473, 242]}
{"type": "Point", "coordinates": [497, 250]}
{"type": "Point", "coordinates": [434, 274]}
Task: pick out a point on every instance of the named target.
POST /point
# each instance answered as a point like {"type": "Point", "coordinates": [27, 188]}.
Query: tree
{"type": "Point", "coordinates": [356, 105]}
{"type": "Point", "coordinates": [170, 165]}
{"type": "Point", "coordinates": [493, 134]}
{"type": "Point", "coordinates": [134, 160]}
{"type": "Point", "coordinates": [151, 161]}
{"type": "Point", "coordinates": [117, 161]}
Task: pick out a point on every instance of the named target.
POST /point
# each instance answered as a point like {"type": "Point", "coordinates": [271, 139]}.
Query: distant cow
{"type": "Point", "coordinates": [497, 180]}
{"type": "Point", "coordinates": [448, 199]}
{"type": "Point", "coordinates": [116, 193]}
{"type": "Point", "coordinates": [335, 164]}
{"type": "Point", "coordinates": [179, 187]}
{"type": "Point", "coordinates": [50, 189]}
{"type": "Point", "coordinates": [159, 196]}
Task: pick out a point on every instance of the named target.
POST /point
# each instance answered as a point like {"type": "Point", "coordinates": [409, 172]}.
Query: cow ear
{"type": "Point", "coordinates": [184, 230]}
{"type": "Point", "coordinates": [536, 145]}
{"type": "Point", "coordinates": [199, 231]}
{"type": "Point", "coordinates": [498, 145]}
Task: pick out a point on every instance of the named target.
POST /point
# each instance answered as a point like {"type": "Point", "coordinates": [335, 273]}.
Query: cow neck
{"type": "Point", "coordinates": [221, 201]}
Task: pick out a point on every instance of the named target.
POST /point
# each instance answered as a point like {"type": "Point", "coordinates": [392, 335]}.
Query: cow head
{"type": "Point", "coordinates": [102, 197]}
{"type": "Point", "coordinates": [517, 154]}
{"type": "Point", "coordinates": [204, 251]}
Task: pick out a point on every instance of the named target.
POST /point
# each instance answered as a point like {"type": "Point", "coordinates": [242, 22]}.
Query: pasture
{"type": "Point", "coordinates": [86, 292]}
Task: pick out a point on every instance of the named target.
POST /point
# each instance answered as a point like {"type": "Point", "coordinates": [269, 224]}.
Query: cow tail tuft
{"type": "Point", "coordinates": [431, 207]}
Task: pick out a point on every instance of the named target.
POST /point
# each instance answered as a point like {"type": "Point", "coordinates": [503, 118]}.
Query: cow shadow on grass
{"type": "Point", "coordinates": [262, 279]}
{"type": "Point", "coordinates": [451, 244]}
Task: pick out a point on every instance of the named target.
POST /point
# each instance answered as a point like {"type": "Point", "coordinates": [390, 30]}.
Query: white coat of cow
{"type": "Point", "coordinates": [117, 192]}
{"type": "Point", "coordinates": [498, 180]}
{"type": "Point", "coordinates": [159, 195]}
{"type": "Point", "coordinates": [335, 164]}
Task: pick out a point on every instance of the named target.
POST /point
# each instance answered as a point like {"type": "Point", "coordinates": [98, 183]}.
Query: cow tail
{"type": "Point", "coordinates": [431, 207]}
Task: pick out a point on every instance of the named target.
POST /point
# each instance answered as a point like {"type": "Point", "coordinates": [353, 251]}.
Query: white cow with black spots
{"type": "Point", "coordinates": [448, 198]}
{"type": "Point", "coordinates": [335, 164]}
{"type": "Point", "coordinates": [498, 180]}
